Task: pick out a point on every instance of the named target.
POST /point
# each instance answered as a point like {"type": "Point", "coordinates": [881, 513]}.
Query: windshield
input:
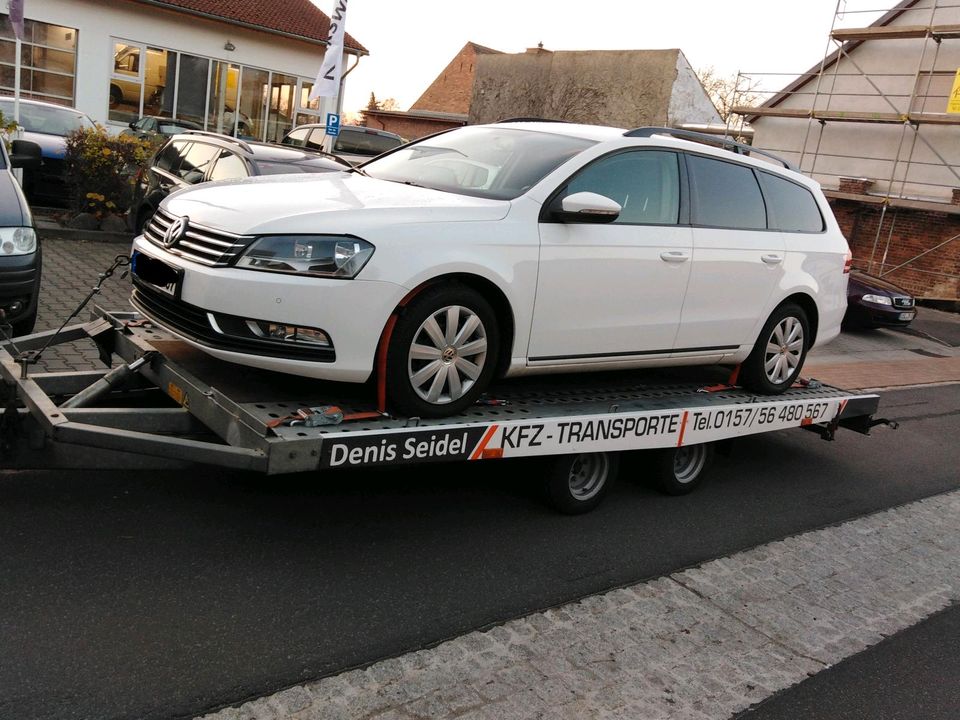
{"type": "Point", "coordinates": [491, 162]}
{"type": "Point", "coordinates": [47, 120]}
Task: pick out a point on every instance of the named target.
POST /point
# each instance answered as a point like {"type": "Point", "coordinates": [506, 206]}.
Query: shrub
{"type": "Point", "coordinates": [101, 169]}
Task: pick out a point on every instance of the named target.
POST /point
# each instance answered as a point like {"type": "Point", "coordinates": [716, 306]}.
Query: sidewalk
{"type": "Point", "coordinates": [700, 644]}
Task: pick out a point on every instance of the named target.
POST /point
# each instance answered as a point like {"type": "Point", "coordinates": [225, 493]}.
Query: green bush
{"type": "Point", "coordinates": [101, 170]}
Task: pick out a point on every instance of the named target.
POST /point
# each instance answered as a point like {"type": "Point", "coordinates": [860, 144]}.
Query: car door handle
{"type": "Point", "coordinates": [674, 256]}
{"type": "Point", "coordinates": [772, 259]}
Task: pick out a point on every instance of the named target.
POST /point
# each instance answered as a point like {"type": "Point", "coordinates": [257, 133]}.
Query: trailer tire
{"type": "Point", "coordinates": [578, 483]}
{"type": "Point", "coordinates": [678, 471]}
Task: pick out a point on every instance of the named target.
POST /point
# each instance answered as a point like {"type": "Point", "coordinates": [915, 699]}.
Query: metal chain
{"type": "Point", "coordinates": [32, 357]}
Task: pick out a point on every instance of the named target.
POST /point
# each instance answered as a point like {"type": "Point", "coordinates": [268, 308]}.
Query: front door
{"type": "Point", "coordinates": [614, 290]}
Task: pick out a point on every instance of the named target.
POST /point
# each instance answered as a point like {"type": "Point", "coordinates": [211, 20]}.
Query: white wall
{"type": "Point", "coordinates": [98, 22]}
{"type": "Point", "coordinates": [689, 102]}
{"type": "Point", "coordinates": [875, 151]}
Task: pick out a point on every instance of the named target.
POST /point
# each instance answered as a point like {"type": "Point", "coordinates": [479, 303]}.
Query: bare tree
{"type": "Point", "coordinates": [728, 92]}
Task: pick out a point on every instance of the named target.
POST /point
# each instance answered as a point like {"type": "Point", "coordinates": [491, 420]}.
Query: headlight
{"type": "Point", "coordinates": [878, 299]}
{"type": "Point", "coordinates": [334, 256]}
{"type": "Point", "coordinates": [17, 241]}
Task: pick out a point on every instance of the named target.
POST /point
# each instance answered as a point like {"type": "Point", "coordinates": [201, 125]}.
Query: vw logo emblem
{"type": "Point", "coordinates": [176, 231]}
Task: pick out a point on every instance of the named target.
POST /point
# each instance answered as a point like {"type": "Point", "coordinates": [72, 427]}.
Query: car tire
{"type": "Point", "coordinates": [775, 362]}
{"type": "Point", "coordinates": [443, 352]}
{"type": "Point", "coordinates": [25, 325]}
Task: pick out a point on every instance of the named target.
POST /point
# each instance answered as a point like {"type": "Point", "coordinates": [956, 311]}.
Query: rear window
{"type": "Point", "coordinates": [792, 208]}
{"type": "Point", "coordinates": [725, 195]}
{"type": "Point", "coordinates": [362, 142]}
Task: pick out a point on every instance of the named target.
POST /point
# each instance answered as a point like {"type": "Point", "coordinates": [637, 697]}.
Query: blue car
{"type": "Point", "coordinates": [47, 125]}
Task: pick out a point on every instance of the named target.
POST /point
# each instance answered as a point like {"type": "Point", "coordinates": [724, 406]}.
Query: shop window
{"type": "Point", "coordinates": [48, 58]}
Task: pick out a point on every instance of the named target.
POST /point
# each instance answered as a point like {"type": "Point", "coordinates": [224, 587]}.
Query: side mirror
{"type": "Point", "coordinates": [24, 154]}
{"type": "Point", "coordinates": [587, 207]}
{"type": "Point", "coordinates": [132, 125]}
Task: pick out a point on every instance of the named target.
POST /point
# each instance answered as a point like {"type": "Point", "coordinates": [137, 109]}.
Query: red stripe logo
{"type": "Point", "coordinates": [482, 445]}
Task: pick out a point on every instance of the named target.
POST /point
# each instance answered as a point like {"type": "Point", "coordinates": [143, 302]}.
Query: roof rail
{"type": "Point", "coordinates": [238, 141]}
{"type": "Point", "coordinates": [528, 119]}
{"type": "Point", "coordinates": [726, 143]}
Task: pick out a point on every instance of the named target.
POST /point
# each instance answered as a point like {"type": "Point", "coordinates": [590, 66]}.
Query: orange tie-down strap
{"type": "Point", "coordinates": [326, 415]}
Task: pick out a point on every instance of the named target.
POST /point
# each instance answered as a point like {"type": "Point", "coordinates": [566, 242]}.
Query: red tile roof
{"type": "Point", "coordinates": [298, 18]}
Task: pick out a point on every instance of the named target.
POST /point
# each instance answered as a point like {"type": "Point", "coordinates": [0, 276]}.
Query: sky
{"type": "Point", "coordinates": [410, 43]}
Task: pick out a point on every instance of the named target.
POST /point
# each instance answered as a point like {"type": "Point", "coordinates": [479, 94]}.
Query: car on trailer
{"type": "Point", "coordinates": [510, 249]}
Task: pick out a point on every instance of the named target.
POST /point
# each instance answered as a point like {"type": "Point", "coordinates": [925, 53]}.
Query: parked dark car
{"type": "Point", "coordinates": [48, 125]}
{"type": "Point", "coordinates": [195, 157]}
{"type": "Point", "coordinates": [19, 245]}
{"type": "Point", "coordinates": [873, 302]}
{"type": "Point", "coordinates": [355, 144]}
{"type": "Point", "coordinates": [154, 126]}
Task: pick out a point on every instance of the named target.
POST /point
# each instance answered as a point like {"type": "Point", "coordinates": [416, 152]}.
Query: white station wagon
{"type": "Point", "coordinates": [504, 250]}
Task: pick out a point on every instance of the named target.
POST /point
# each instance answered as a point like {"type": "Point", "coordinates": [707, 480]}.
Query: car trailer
{"type": "Point", "coordinates": [168, 401]}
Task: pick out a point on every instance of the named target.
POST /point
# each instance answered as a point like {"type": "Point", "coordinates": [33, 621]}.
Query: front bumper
{"type": "Point", "coordinates": [19, 284]}
{"type": "Point", "coordinates": [352, 313]}
{"type": "Point", "coordinates": [881, 315]}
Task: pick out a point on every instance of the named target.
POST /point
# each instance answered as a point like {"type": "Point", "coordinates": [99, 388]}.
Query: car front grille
{"type": "Point", "coordinates": [195, 323]}
{"type": "Point", "coordinates": [903, 302]}
{"type": "Point", "coordinates": [215, 248]}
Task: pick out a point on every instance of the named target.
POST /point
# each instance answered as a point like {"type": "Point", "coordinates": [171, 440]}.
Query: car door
{"type": "Point", "coordinates": [739, 261]}
{"type": "Point", "coordinates": [614, 290]}
{"type": "Point", "coordinates": [164, 177]}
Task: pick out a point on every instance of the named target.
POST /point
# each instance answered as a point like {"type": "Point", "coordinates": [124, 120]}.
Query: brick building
{"type": "Point", "coordinates": [444, 105]}
{"type": "Point", "coordinates": [871, 124]}
{"type": "Point", "coordinates": [625, 88]}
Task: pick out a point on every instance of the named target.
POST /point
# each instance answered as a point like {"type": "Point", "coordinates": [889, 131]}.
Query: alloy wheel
{"type": "Point", "coordinates": [784, 350]}
{"type": "Point", "coordinates": [447, 355]}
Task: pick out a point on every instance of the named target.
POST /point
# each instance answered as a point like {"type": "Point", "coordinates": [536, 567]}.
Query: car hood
{"type": "Point", "coordinates": [326, 202]}
{"type": "Point", "coordinates": [862, 283]}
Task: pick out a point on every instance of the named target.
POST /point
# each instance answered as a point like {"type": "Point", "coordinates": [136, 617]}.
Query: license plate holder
{"type": "Point", "coordinates": [906, 315]}
{"type": "Point", "coordinates": [157, 274]}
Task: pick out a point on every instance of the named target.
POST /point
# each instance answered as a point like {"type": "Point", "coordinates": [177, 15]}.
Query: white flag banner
{"type": "Point", "coordinates": [15, 8]}
{"type": "Point", "coordinates": [328, 79]}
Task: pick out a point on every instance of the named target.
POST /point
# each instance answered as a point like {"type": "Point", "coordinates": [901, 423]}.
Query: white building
{"type": "Point", "coordinates": [238, 66]}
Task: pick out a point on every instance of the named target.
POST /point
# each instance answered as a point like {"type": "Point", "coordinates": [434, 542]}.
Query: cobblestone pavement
{"type": "Point", "coordinates": [70, 269]}
{"type": "Point", "coordinates": [703, 643]}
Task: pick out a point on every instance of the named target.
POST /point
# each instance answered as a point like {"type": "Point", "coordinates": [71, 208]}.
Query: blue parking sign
{"type": "Point", "coordinates": [333, 124]}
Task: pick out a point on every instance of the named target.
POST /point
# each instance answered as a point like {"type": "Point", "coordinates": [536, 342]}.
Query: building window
{"type": "Point", "coordinates": [218, 96]}
{"type": "Point", "coordinates": [139, 82]}
{"type": "Point", "coordinates": [47, 62]}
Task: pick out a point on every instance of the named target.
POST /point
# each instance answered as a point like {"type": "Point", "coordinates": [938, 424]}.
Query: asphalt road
{"type": "Point", "coordinates": [164, 595]}
{"type": "Point", "coordinates": [914, 674]}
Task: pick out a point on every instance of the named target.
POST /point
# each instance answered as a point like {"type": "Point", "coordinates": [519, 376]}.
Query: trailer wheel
{"type": "Point", "coordinates": [578, 483]}
{"type": "Point", "coordinates": [679, 471]}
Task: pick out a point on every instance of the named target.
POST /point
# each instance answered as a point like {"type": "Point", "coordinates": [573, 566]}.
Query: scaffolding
{"type": "Point", "coordinates": [899, 149]}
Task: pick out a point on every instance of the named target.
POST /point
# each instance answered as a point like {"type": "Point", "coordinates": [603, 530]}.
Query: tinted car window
{"type": "Point", "coordinates": [48, 120]}
{"type": "Point", "coordinates": [195, 163]}
{"type": "Point", "coordinates": [362, 142]}
{"type": "Point", "coordinates": [171, 156]}
{"type": "Point", "coordinates": [315, 141]}
{"type": "Point", "coordinates": [646, 184]}
{"type": "Point", "coordinates": [792, 207]}
{"type": "Point", "coordinates": [297, 137]}
{"type": "Point", "coordinates": [229, 167]}
{"type": "Point", "coordinates": [725, 195]}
